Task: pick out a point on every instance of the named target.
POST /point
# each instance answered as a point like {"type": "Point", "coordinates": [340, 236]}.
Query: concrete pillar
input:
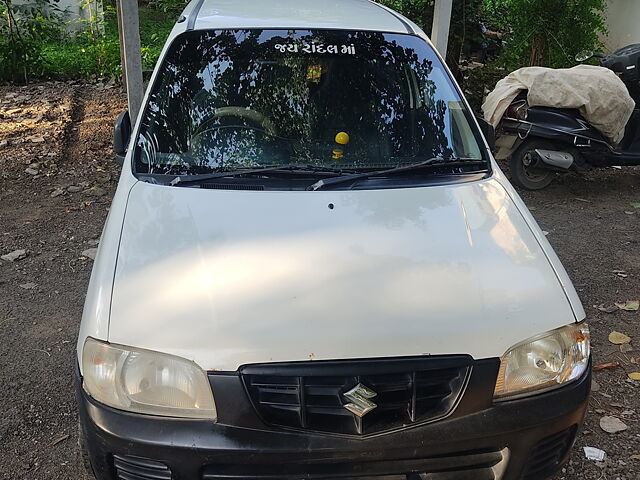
{"type": "Point", "coordinates": [441, 25]}
{"type": "Point", "coordinates": [130, 27]}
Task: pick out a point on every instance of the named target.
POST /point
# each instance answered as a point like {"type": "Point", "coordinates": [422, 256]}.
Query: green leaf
{"type": "Point", "coordinates": [629, 305]}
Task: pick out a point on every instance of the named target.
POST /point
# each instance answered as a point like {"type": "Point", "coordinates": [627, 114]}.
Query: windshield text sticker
{"type": "Point", "coordinates": [316, 48]}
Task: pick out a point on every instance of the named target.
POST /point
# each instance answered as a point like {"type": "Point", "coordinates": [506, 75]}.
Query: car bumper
{"type": "Point", "coordinates": [527, 438]}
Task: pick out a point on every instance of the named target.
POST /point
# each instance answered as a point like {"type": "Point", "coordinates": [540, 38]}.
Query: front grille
{"type": "Point", "coordinates": [135, 468]}
{"type": "Point", "coordinates": [546, 456]}
{"type": "Point", "coordinates": [474, 465]}
{"type": "Point", "coordinates": [311, 396]}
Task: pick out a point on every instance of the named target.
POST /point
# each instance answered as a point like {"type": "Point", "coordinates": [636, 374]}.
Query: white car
{"type": "Point", "coordinates": [313, 268]}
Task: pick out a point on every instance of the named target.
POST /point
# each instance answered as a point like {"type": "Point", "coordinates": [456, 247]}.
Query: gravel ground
{"type": "Point", "coordinates": [56, 183]}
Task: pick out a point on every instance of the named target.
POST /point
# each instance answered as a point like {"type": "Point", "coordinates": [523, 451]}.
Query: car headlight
{"type": "Point", "coordinates": [147, 382]}
{"type": "Point", "coordinates": [544, 362]}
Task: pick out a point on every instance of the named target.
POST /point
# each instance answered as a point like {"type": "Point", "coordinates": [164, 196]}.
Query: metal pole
{"type": "Point", "coordinates": [441, 25]}
{"type": "Point", "coordinates": [132, 65]}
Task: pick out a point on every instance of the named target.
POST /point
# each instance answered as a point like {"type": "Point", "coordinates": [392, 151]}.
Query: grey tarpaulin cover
{"type": "Point", "coordinates": [601, 97]}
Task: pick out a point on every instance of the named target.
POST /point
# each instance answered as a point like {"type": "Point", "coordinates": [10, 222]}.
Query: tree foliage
{"type": "Point", "coordinates": [420, 11]}
{"type": "Point", "coordinates": [24, 29]}
{"type": "Point", "coordinates": [538, 32]}
{"type": "Point", "coordinates": [548, 32]}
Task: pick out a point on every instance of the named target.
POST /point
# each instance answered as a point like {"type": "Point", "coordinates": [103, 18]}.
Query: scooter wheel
{"type": "Point", "coordinates": [523, 174]}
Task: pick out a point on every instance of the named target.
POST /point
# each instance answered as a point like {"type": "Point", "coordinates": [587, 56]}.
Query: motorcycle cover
{"type": "Point", "coordinates": [601, 97]}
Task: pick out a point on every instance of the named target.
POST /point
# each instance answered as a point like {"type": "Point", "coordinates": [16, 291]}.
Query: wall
{"type": "Point", "coordinates": [623, 22]}
{"type": "Point", "coordinates": [76, 13]}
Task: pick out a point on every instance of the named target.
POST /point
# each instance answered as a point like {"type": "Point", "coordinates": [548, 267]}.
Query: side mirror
{"type": "Point", "coordinates": [488, 131]}
{"type": "Point", "coordinates": [584, 55]}
{"type": "Point", "coordinates": [122, 135]}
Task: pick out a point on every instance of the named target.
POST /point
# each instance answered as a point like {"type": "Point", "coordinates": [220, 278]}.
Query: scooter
{"type": "Point", "coordinates": [541, 141]}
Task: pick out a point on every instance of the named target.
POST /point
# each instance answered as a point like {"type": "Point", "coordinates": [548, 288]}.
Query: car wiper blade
{"type": "Point", "coordinates": [453, 162]}
{"type": "Point", "coordinates": [192, 179]}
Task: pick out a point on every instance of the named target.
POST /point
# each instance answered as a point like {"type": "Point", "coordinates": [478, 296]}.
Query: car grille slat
{"type": "Point", "coordinates": [284, 406]}
{"type": "Point", "coordinates": [330, 411]}
{"type": "Point", "coordinates": [135, 468]}
{"type": "Point", "coordinates": [548, 453]}
{"type": "Point", "coordinates": [285, 390]}
{"type": "Point", "coordinates": [435, 393]}
{"type": "Point", "coordinates": [312, 397]}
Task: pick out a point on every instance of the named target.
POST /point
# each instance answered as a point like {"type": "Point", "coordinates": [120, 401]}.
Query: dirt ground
{"type": "Point", "coordinates": [56, 183]}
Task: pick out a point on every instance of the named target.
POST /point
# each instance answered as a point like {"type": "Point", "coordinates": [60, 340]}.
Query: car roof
{"type": "Point", "coordinates": [302, 14]}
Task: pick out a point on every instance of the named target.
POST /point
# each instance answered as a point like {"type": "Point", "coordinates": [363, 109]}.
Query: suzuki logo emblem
{"type": "Point", "coordinates": [359, 400]}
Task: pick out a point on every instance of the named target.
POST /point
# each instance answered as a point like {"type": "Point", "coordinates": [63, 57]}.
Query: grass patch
{"type": "Point", "coordinates": [85, 57]}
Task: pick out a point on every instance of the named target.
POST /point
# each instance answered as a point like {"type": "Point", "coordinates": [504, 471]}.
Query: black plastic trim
{"type": "Point", "coordinates": [191, 447]}
{"type": "Point", "coordinates": [364, 365]}
{"type": "Point", "coordinates": [476, 464]}
{"type": "Point", "coordinates": [351, 371]}
{"type": "Point", "coordinates": [193, 16]}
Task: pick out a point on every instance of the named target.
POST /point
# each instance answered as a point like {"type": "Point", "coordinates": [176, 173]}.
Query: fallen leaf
{"type": "Point", "coordinates": [607, 309]}
{"type": "Point", "coordinates": [90, 253]}
{"type": "Point", "coordinates": [635, 457]}
{"type": "Point", "coordinates": [634, 376]}
{"type": "Point", "coordinates": [612, 424]}
{"type": "Point", "coordinates": [629, 305]}
{"type": "Point", "coordinates": [626, 348]}
{"type": "Point", "coordinates": [635, 204]}
{"type": "Point", "coordinates": [618, 338]}
{"type": "Point", "coordinates": [61, 438]}
{"type": "Point", "coordinates": [605, 366]}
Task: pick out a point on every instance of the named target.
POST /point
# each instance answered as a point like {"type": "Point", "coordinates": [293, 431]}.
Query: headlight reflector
{"type": "Point", "coordinates": [146, 382]}
{"type": "Point", "coordinates": [544, 362]}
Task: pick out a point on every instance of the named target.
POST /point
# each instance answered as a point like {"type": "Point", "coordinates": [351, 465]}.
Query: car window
{"type": "Point", "coordinates": [341, 99]}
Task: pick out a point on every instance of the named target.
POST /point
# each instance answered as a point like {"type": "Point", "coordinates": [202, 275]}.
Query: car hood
{"type": "Point", "coordinates": [227, 278]}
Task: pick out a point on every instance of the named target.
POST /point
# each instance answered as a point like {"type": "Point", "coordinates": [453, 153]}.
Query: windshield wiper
{"type": "Point", "coordinates": [192, 179]}
{"type": "Point", "coordinates": [436, 161]}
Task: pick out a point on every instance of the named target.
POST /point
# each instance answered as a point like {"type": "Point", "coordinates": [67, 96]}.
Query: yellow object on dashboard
{"type": "Point", "coordinates": [342, 138]}
{"type": "Point", "coordinates": [314, 73]}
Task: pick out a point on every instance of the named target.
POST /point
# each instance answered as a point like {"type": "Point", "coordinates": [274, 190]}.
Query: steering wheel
{"type": "Point", "coordinates": [242, 112]}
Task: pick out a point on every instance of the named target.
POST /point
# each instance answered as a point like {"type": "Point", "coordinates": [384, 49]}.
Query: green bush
{"type": "Point", "coordinates": [155, 26]}
{"type": "Point", "coordinates": [78, 58]}
{"type": "Point", "coordinates": [540, 32]}
{"type": "Point", "coordinates": [168, 6]}
{"type": "Point", "coordinates": [548, 32]}
{"type": "Point", "coordinates": [24, 30]}
{"type": "Point", "coordinates": [48, 52]}
{"type": "Point", "coordinates": [420, 11]}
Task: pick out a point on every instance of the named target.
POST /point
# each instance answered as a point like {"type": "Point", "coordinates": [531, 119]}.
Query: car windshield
{"type": "Point", "coordinates": [347, 100]}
